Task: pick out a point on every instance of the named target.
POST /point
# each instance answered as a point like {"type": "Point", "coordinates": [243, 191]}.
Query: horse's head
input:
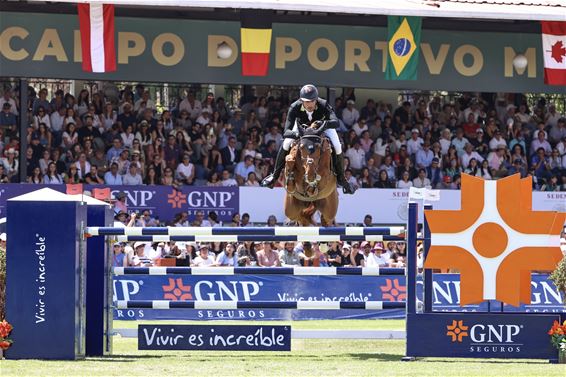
{"type": "Point", "coordinates": [311, 151]}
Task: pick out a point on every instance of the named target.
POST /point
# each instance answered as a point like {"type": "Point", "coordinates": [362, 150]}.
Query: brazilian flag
{"type": "Point", "coordinates": [404, 40]}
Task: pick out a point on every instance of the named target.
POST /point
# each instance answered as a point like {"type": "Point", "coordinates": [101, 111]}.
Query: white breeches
{"type": "Point", "coordinates": [331, 134]}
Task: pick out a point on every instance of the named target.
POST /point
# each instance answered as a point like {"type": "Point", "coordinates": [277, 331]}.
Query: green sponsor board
{"type": "Point", "coordinates": [175, 50]}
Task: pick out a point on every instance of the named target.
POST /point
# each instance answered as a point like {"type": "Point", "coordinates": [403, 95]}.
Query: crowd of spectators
{"type": "Point", "coordinates": [124, 139]}
{"type": "Point", "coordinates": [260, 254]}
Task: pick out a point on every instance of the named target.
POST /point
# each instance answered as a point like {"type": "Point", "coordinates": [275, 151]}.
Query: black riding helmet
{"type": "Point", "coordinates": [309, 92]}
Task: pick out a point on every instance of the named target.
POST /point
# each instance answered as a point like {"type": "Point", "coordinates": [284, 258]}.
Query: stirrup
{"type": "Point", "coordinates": [268, 181]}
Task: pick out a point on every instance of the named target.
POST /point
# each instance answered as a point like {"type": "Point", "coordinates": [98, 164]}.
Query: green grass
{"type": "Point", "coordinates": [308, 358]}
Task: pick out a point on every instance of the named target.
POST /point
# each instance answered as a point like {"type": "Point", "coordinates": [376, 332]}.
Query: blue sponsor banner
{"type": "Point", "coordinates": [214, 337]}
{"type": "Point", "coordinates": [164, 202]}
{"type": "Point", "coordinates": [545, 298]}
{"type": "Point", "coordinates": [44, 290]}
{"type": "Point", "coordinates": [481, 335]}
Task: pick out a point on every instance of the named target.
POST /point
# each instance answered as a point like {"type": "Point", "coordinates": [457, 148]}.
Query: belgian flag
{"type": "Point", "coordinates": [255, 43]}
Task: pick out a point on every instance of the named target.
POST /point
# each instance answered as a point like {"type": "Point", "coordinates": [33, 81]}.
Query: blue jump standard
{"type": "Point", "coordinates": [316, 271]}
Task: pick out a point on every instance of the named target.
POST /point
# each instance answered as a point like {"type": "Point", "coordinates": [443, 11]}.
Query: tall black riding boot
{"type": "Point", "coordinates": [271, 179]}
{"type": "Point", "coordinates": [347, 188]}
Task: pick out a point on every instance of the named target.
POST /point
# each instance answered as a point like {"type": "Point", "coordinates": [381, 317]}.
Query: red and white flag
{"type": "Point", "coordinates": [97, 37]}
{"type": "Point", "coordinates": [554, 50]}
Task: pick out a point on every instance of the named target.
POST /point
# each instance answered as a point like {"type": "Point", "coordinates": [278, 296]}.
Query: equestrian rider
{"type": "Point", "coordinates": [310, 109]}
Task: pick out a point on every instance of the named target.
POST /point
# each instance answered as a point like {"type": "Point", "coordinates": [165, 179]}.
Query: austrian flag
{"type": "Point", "coordinates": [554, 50]}
{"type": "Point", "coordinates": [97, 37]}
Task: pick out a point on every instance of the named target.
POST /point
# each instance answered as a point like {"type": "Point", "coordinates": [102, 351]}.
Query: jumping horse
{"type": "Point", "coordinates": [309, 180]}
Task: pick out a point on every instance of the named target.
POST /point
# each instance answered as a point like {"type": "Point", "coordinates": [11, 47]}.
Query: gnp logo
{"type": "Point", "coordinates": [202, 199]}
{"type": "Point", "coordinates": [211, 290]}
{"type": "Point", "coordinates": [495, 240]}
{"type": "Point", "coordinates": [393, 291]}
{"type": "Point", "coordinates": [136, 198]}
{"type": "Point", "coordinates": [501, 338]}
{"type": "Point", "coordinates": [176, 199]}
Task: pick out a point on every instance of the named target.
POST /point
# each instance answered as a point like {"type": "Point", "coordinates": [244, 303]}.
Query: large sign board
{"type": "Point", "coordinates": [48, 45]}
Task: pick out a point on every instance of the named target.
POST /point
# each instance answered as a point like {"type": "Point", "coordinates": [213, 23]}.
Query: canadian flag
{"type": "Point", "coordinates": [97, 37]}
{"type": "Point", "coordinates": [554, 50]}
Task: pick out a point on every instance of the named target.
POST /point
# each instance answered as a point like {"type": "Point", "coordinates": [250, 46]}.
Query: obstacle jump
{"type": "Point", "coordinates": [256, 304]}
{"type": "Point", "coordinates": [255, 234]}
{"type": "Point", "coordinates": [301, 271]}
{"type": "Point", "coordinates": [55, 285]}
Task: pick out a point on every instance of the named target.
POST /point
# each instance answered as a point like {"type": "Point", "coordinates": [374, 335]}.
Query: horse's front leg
{"type": "Point", "coordinates": [290, 173]}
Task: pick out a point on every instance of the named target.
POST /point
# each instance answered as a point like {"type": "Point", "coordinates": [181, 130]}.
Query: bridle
{"type": "Point", "coordinates": [310, 161]}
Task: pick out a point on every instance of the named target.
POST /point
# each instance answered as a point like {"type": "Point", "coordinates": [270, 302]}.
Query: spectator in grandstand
{"type": "Point", "coordinates": [517, 168]}
{"type": "Point", "coordinates": [551, 184]}
{"type": "Point", "coordinates": [540, 143]}
{"type": "Point", "coordinates": [404, 182]}
{"type": "Point", "coordinates": [8, 119]}
{"type": "Point", "coordinates": [399, 257]}
{"type": "Point", "coordinates": [356, 259]}
{"type": "Point", "coordinates": [151, 178]}
{"type": "Point", "coordinates": [36, 176]}
{"type": "Point", "coordinates": [120, 205]}
{"type": "Point", "coordinates": [266, 257]}
{"type": "Point", "coordinates": [434, 173]}
{"type": "Point", "coordinates": [140, 258]}
{"type": "Point", "coordinates": [227, 257]}
{"type": "Point", "coordinates": [370, 258]}
{"type": "Point", "coordinates": [51, 176]}
{"type": "Point", "coordinates": [132, 177]}
{"type": "Point", "coordinates": [243, 169]}
{"type": "Point", "coordinates": [204, 258]}
{"type": "Point", "coordinates": [414, 144]}
{"type": "Point", "coordinates": [424, 156]}
{"type": "Point", "coordinates": [350, 114]}
{"type": "Point", "coordinates": [252, 180]}
{"type": "Point", "coordinates": [320, 259]}
{"type": "Point", "coordinates": [118, 256]}
{"type": "Point", "coordinates": [459, 142]}
{"type": "Point", "coordinates": [421, 181]}
{"type": "Point", "coordinates": [227, 180]}
{"type": "Point", "coordinates": [246, 254]}
{"type": "Point", "coordinates": [199, 216]}
{"type": "Point", "coordinates": [541, 164]}
{"type": "Point", "coordinates": [271, 221]}
{"type": "Point", "coordinates": [112, 177]}
{"type": "Point", "coordinates": [185, 172]}
{"type": "Point", "coordinates": [357, 157]}
{"type": "Point", "coordinates": [147, 220]}
{"type": "Point", "coordinates": [168, 179]}
{"type": "Point", "coordinates": [289, 256]}
{"type": "Point", "coordinates": [380, 257]}
{"type": "Point", "coordinates": [230, 155]}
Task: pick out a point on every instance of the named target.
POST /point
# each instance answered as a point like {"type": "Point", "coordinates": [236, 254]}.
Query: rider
{"type": "Point", "coordinates": [310, 109]}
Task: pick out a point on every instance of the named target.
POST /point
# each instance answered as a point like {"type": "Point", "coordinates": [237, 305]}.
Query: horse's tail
{"type": "Point", "coordinates": [306, 214]}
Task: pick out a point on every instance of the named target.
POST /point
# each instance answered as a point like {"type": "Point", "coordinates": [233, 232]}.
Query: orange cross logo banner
{"type": "Point", "coordinates": [495, 240]}
{"type": "Point", "coordinates": [457, 330]}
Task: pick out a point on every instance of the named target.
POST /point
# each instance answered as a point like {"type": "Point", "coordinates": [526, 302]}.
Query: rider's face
{"type": "Point", "coordinates": [309, 105]}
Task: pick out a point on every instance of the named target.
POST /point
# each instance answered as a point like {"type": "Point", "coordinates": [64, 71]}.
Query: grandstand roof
{"type": "Point", "coordinates": [534, 10]}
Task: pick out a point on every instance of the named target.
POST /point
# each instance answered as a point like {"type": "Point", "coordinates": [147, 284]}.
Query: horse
{"type": "Point", "coordinates": [309, 180]}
